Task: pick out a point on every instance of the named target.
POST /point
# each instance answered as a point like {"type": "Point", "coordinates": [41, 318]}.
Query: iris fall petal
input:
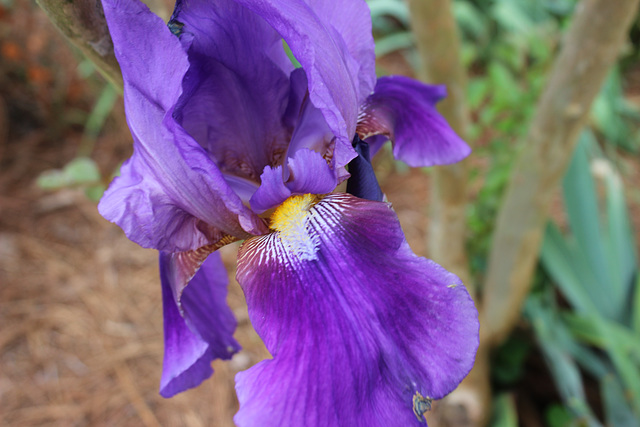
{"type": "Point", "coordinates": [198, 324]}
{"type": "Point", "coordinates": [404, 110]}
{"type": "Point", "coordinates": [357, 324]}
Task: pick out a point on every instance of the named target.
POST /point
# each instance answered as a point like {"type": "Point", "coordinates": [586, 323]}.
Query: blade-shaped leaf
{"type": "Point", "coordinates": [564, 370]}
{"type": "Point", "coordinates": [559, 259]}
{"type": "Point", "coordinates": [621, 248]}
{"type": "Point", "coordinates": [616, 406]}
{"type": "Point", "coordinates": [582, 209]}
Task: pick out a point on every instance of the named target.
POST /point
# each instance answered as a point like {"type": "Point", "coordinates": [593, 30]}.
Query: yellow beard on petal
{"type": "Point", "coordinates": [290, 222]}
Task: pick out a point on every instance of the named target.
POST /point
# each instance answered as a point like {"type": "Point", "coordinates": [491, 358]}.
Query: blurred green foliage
{"type": "Point", "coordinates": [595, 270]}
{"type": "Point", "coordinates": [82, 171]}
{"type": "Point", "coordinates": [584, 313]}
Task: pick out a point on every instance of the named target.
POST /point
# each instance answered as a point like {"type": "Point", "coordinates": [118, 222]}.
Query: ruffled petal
{"type": "Point", "coordinates": [404, 110]}
{"type": "Point", "coordinates": [307, 172]}
{"type": "Point", "coordinates": [199, 328]}
{"type": "Point", "coordinates": [170, 195]}
{"type": "Point", "coordinates": [335, 77]}
{"type": "Point", "coordinates": [272, 191]}
{"type": "Point", "coordinates": [362, 331]}
{"type": "Point", "coordinates": [235, 92]}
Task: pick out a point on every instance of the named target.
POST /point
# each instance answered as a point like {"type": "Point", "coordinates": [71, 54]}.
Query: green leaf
{"type": "Point", "coordinates": [289, 54]}
{"type": "Point", "coordinates": [620, 245]}
{"type": "Point", "coordinates": [504, 411]}
{"type": "Point", "coordinates": [470, 20]}
{"type": "Point", "coordinates": [508, 360]}
{"type": "Point", "coordinates": [558, 416]}
{"type": "Point", "coordinates": [511, 15]}
{"type": "Point", "coordinates": [477, 90]}
{"type": "Point", "coordinates": [394, 42]}
{"type": "Point", "coordinates": [558, 258]}
{"type": "Point", "coordinates": [394, 8]}
{"type": "Point", "coordinates": [635, 309]}
{"type": "Point", "coordinates": [616, 406]}
{"type": "Point", "coordinates": [563, 368]}
{"type": "Point", "coordinates": [95, 192]}
{"type": "Point", "coordinates": [590, 330]}
{"type": "Point", "coordinates": [99, 114]}
{"type": "Point", "coordinates": [82, 170]}
{"type": "Point", "coordinates": [582, 206]}
{"type": "Point", "coordinates": [53, 179]}
{"type": "Point", "coordinates": [505, 89]}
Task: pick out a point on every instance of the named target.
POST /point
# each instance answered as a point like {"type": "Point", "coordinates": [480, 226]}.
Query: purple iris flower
{"type": "Point", "coordinates": [231, 142]}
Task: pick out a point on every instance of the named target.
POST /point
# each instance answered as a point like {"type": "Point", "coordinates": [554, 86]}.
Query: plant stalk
{"type": "Point", "coordinates": [591, 46]}
{"type": "Point", "coordinates": [439, 47]}
{"type": "Point", "coordinates": [438, 43]}
{"type": "Point", "coordinates": [82, 22]}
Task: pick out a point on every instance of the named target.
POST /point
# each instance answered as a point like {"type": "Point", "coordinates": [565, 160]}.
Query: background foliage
{"type": "Point", "coordinates": [582, 316]}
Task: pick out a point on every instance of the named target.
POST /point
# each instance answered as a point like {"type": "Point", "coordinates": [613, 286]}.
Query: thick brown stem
{"type": "Point", "coordinates": [592, 43]}
{"type": "Point", "coordinates": [83, 23]}
{"type": "Point", "coordinates": [439, 46]}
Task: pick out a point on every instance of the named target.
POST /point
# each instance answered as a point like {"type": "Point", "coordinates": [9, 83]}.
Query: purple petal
{"type": "Point", "coordinates": [236, 91]}
{"type": "Point", "coordinates": [404, 110]}
{"type": "Point", "coordinates": [204, 330]}
{"type": "Point", "coordinates": [352, 21]}
{"type": "Point", "coordinates": [336, 78]}
{"type": "Point", "coordinates": [310, 173]}
{"type": "Point", "coordinates": [307, 172]}
{"type": "Point", "coordinates": [311, 131]}
{"type": "Point", "coordinates": [272, 191]}
{"type": "Point", "coordinates": [359, 327]}
{"type": "Point", "coordinates": [170, 195]}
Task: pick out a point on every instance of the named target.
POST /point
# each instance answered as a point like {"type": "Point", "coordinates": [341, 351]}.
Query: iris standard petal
{"type": "Point", "coordinates": [197, 330]}
{"type": "Point", "coordinates": [307, 172]}
{"type": "Point", "coordinates": [235, 92]}
{"type": "Point", "coordinates": [170, 183]}
{"type": "Point", "coordinates": [403, 109]}
{"type": "Point", "coordinates": [362, 331]}
{"type": "Point", "coordinates": [332, 73]}
{"type": "Point", "coordinates": [352, 21]}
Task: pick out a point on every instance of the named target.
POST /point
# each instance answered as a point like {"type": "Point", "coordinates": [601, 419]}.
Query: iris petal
{"type": "Point", "coordinates": [170, 195]}
{"type": "Point", "coordinates": [403, 110]}
{"type": "Point", "coordinates": [307, 172]}
{"type": "Point", "coordinates": [236, 91]}
{"type": "Point", "coordinates": [198, 326]}
{"type": "Point", "coordinates": [359, 327]}
{"type": "Point", "coordinates": [325, 53]}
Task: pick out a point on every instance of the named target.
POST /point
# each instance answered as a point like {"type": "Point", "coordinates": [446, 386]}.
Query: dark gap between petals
{"type": "Point", "coordinates": [363, 182]}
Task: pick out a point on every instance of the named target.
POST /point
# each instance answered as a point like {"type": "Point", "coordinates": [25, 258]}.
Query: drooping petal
{"type": "Point", "coordinates": [404, 110]}
{"type": "Point", "coordinates": [361, 330]}
{"type": "Point", "coordinates": [236, 91]}
{"type": "Point", "coordinates": [197, 330]}
{"type": "Point", "coordinates": [170, 195]}
{"type": "Point", "coordinates": [335, 77]}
